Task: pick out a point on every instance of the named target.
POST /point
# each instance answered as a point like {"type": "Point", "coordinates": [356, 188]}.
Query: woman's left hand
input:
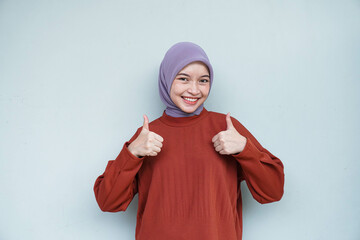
{"type": "Point", "coordinates": [229, 141]}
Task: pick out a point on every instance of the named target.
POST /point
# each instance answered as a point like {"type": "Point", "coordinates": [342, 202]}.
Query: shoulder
{"type": "Point", "coordinates": [154, 124]}
{"type": "Point", "coordinates": [216, 114]}
{"type": "Point", "coordinates": [219, 119]}
{"type": "Point", "coordinates": [222, 116]}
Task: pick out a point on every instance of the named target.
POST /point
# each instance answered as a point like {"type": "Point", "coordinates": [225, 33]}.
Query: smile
{"type": "Point", "coordinates": [190, 100]}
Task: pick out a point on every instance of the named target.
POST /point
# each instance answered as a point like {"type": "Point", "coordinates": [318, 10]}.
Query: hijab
{"type": "Point", "coordinates": [175, 59]}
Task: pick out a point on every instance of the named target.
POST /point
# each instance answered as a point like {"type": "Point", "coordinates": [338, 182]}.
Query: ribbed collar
{"type": "Point", "coordinates": [183, 121]}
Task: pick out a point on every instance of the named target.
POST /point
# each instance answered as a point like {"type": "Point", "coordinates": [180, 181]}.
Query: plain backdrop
{"type": "Point", "coordinates": [77, 76]}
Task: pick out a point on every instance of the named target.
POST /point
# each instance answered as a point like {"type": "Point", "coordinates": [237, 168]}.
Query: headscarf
{"type": "Point", "coordinates": [175, 59]}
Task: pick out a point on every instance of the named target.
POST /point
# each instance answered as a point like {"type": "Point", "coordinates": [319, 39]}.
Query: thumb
{"type": "Point", "coordinates": [229, 123]}
{"type": "Point", "coordinates": [146, 122]}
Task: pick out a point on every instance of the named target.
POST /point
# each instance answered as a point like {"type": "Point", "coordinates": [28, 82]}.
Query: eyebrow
{"type": "Point", "coordinates": [189, 75]}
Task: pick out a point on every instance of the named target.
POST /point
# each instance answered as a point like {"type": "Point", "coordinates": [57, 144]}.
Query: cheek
{"type": "Point", "coordinates": [175, 92]}
{"type": "Point", "coordinates": [177, 89]}
{"type": "Point", "coordinates": [205, 90]}
{"type": "Point", "coordinates": [172, 95]}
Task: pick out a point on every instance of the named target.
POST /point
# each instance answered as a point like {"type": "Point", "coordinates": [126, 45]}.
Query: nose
{"type": "Point", "coordinates": [194, 88]}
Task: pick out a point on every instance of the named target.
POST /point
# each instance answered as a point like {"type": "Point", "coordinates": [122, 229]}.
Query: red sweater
{"type": "Point", "coordinates": [189, 190]}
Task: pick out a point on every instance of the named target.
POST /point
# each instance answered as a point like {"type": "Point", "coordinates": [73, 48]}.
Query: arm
{"type": "Point", "coordinates": [116, 187]}
{"type": "Point", "coordinates": [263, 172]}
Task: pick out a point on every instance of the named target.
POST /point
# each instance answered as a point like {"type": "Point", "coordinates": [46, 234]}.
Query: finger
{"type": "Point", "coordinates": [158, 144]}
{"type": "Point", "coordinates": [216, 143]}
{"type": "Point", "coordinates": [156, 149]}
{"type": "Point", "coordinates": [215, 138]}
{"type": "Point", "coordinates": [229, 123]}
{"type": "Point", "coordinates": [218, 148]}
{"type": "Point", "coordinates": [159, 138]}
{"type": "Point", "coordinates": [223, 152]}
{"type": "Point", "coordinates": [146, 122]}
{"type": "Point", "coordinates": [152, 154]}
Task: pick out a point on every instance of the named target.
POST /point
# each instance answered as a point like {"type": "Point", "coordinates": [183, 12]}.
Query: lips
{"type": "Point", "coordinates": [190, 102]}
{"type": "Point", "coordinates": [190, 97]}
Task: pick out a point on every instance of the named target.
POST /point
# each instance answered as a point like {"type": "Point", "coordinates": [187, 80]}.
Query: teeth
{"type": "Point", "coordinates": [191, 99]}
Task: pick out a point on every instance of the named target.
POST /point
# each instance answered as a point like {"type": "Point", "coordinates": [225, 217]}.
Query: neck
{"type": "Point", "coordinates": [176, 112]}
{"type": "Point", "coordinates": [183, 121]}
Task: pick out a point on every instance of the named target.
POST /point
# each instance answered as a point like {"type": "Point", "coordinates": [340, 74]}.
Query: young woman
{"type": "Point", "coordinates": [187, 165]}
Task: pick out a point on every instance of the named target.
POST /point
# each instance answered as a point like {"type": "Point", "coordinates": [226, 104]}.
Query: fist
{"type": "Point", "coordinates": [147, 143]}
{"type": "Point", "coordinates": [229, 141]}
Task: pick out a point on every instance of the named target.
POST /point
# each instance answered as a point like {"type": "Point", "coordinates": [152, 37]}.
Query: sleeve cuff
{"type": "Point", "coordinates": [247, 149]}
{"type": "Point", "coordinates": [127, 160]}
{"type": "Point", "coordinates": [126, 144]}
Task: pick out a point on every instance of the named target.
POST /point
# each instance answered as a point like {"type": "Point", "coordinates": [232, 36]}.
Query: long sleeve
{"type": "Point", "coordinates": [116, 187]}
{"type": "Point", "coordinates": [262, 171]}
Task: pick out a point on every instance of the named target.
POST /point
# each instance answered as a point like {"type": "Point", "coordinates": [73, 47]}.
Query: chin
{"type": "Point", "coordinates": [190, 110]}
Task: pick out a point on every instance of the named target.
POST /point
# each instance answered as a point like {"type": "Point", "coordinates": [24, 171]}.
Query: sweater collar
{"type": "Point", "coordinates": [183, 121]}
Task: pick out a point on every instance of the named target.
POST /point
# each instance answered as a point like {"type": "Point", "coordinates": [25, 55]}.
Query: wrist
{"type": "Point", "coordinates": [132, 150]}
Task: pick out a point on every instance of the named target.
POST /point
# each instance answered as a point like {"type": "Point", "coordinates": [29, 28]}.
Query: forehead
{"type": "Point", "coordinates": [194, 67]}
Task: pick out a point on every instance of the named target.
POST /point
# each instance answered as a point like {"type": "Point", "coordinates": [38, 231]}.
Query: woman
{"type": "Point", "coordinates": [187, 165]}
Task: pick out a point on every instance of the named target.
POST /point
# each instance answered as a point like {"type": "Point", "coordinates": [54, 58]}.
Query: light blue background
{"type": "Point", "coordinates": [77, 76]}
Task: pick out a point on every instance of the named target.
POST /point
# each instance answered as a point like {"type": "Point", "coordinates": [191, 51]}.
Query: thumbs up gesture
{"type": "Point", "coordinates": [147, 143]}
{"type": "Point", "coordinates": [229, 141]}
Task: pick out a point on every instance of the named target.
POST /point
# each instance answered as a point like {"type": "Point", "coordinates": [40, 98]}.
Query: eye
{"type": "Point", "coordinates": [182, 78]}
{"type": "Point", "coordinates": [204, 80]}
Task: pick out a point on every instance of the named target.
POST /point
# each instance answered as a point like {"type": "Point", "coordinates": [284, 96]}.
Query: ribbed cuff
{"type": "Point", "coordinates": [126, 160]}
{"type": "Point", "coordinates": [246, 152]}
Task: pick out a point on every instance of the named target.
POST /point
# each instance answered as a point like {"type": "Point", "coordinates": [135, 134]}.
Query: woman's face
{"type": "Point", "coordinates": [190, 87]}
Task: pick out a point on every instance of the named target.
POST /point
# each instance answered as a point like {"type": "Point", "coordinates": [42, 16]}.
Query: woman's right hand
{"type": "Point", "coordinates": [147, 143]}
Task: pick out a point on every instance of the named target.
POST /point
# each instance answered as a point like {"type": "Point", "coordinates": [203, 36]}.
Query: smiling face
{"type": "Point", "coordinates": [190, 87]}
